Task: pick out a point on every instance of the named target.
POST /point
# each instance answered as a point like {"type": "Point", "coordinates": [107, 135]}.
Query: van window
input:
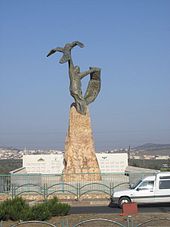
{"type": "Point", "coordinates": [146, 185]}
{"type": "Point", "coordinates": [164, 184]}
{"type": "Point", "coordinates": [135, 185]}
{"type": "Point", "coordinates": [165, 177]}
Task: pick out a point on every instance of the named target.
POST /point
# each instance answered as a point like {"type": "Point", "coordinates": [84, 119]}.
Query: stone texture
{"type": "Point", "coordinates": [80, 159]}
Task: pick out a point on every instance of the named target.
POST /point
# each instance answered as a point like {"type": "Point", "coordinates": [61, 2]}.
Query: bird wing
{"type": "Point", "coordinates": [54, 50]}
{"type": "Point", "coordinates": [75, 43]}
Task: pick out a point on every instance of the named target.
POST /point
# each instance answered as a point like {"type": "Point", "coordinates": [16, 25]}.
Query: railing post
{"type": "Point", "coordinates": [13, 191]}
{"type": "Point", "coordinates": [78, 191]}
{"type": "Point", "coordinates": [62, 184]}
{"type": "Point", "coordinates": [111, 188]}
{"type": "Point", "coordinates": [1, 223]}
{"type": "Point", "coordinates": [62, 223]}
{"type": "Point", "coordinates": [129, 221]}
{"type": "Point", "coordinates": [45, 192]}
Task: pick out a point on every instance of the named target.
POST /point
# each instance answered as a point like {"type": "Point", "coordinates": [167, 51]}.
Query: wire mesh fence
{"type": "Point", "coordinates": [46, 185]}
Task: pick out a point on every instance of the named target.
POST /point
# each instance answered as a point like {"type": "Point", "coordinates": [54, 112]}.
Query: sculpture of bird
{"type": "Point", "coordinates": [66, 50]}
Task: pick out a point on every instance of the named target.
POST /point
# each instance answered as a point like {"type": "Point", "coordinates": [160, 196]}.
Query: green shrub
{"type": "Point", "coordinates": [17, 209]}
{"type": "Point", "coordinates": [5, 207]}
{"type": "Point", "coordinates": [66, 209]}
{"type": "Point", "coordinates": [2, 212]}
{"type": "Point", "coordinates": [13, 209]}
{"type": "Point", "coordinates": [51, 204]}
{"type": "Point", "coordinates": [26, 215]}
{"type": "Point", "coordinates": [63, 209]}
{"type": "Point", "coordinates": [56, 208]}
{"type": "Point", "coordinates": [40, 212]}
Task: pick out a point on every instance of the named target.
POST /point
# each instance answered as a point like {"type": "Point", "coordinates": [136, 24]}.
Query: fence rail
{"type": "Point", "coordinates": [129, 222]}
{"type": "Point", "coordinates": [46, 185]}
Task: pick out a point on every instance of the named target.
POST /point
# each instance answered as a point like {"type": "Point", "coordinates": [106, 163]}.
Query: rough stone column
{"type": "Point", "coordinates": [80, 162]}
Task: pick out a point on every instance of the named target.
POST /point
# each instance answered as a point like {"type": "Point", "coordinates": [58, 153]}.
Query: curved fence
{"type": "Point", "coordinates": [100, 221]}
{"type": "Point", "coordinates": [45, 185]}
{"type": "Point", "coordinates": [125, 222]}
{"type": "Point", "coordinates": [78, 190]}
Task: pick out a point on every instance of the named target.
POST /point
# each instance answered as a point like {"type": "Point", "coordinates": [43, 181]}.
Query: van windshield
{"type": "Point", "coordinates": [136, 184]}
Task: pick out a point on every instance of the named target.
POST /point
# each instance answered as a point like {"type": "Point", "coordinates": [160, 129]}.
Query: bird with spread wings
{"type": "Point", "coordinates": [66, 50]}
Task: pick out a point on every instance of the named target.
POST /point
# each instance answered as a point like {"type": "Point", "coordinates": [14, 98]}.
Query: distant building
{"type": "Point", "coordinates": [43, 163]}
{"type": "Point", "coordinates": [112, 162]}
{"type": "Point", "coordinates": [53, 163]}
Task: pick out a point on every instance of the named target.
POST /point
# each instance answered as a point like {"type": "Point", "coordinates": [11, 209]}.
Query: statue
{"type": "Point", "coordinates": [75, 76]}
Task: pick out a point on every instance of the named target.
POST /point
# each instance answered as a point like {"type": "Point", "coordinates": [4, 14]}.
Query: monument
{"type": "Point", "coordinates": [80, 162]}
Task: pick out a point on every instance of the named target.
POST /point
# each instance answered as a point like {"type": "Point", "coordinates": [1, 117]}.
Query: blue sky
{"type": "Point", "coordinates": [127, 39]}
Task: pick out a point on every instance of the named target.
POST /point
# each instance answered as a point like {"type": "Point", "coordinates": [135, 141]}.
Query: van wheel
{"type": "Point", "coordinates": [123, 200]}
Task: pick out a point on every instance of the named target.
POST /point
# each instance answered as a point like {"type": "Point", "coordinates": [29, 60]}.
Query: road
{"type": "Point", "coordinates": [163, 208]}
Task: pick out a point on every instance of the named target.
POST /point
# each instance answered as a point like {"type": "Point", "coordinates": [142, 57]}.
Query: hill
{"type": "Point", "coordinates": [7, 165]}
{"type": "Point", "coordinates": [153, 149]}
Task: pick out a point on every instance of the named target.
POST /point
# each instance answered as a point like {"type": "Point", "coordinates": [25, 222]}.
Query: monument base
{"type": "Point", "coordinates": [80, 162]}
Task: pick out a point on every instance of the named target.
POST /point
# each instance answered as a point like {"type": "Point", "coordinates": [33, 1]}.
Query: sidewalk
{"type": "Point", "coordinates": [79, 203]}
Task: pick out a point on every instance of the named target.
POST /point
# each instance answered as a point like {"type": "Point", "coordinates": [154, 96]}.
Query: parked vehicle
{"type": "Point", "coordinates": [151, 189]}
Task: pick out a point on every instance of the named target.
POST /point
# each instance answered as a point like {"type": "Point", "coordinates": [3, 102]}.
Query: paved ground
{"type": "Point", "coordinates": [115, 210]}
{"type": "Point", "coordinates": [150, 220]}
{"type": "Point", "coordinates": [103, 206]}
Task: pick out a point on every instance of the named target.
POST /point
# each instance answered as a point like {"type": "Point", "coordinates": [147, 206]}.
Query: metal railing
{"type": "Point", "coordinates": [126, 222]}
{"type": "Point", "coordinates": [46, 185]}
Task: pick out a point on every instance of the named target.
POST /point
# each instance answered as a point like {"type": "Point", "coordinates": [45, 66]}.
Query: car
{"type": "Point", "coordinates": [151, 189]}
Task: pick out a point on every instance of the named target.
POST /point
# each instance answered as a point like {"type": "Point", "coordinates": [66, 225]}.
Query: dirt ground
{"type": "Point", "coordinates": [72, 219]}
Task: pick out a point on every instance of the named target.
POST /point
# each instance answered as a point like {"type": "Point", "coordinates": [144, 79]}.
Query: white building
{"type": "Point", "coordinates": [53, 163]}
{"type": "Point", "coordinates": [112, 162]}
{"type": "Point", "coordinates": [43, 163]}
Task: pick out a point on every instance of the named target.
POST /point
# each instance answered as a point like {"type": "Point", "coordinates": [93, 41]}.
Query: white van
{"type": "Point", "coordinates": [151, 189]}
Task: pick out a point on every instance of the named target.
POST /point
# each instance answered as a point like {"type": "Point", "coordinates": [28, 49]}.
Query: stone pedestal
{"type": "Point", "coordinates": [80, 162]}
